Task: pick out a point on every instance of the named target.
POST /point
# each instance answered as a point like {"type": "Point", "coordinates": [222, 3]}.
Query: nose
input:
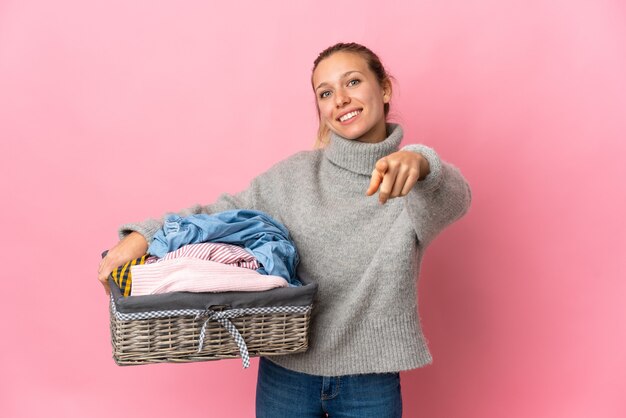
{"type": "Point", "coordinates": [341, 98]}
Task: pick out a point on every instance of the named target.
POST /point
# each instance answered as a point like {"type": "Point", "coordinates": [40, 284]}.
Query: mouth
{"type": "Point", "coordinates": [347, 117]}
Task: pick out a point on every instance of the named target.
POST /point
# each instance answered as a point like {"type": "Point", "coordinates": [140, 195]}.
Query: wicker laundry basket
{"type": "Point", "coordinates": [184, 327]}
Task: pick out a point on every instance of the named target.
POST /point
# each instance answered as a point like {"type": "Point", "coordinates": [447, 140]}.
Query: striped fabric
{"type": "Point", "coordinates": [218, 252]}
{"type": "Point", "coordinates": [122, 277]}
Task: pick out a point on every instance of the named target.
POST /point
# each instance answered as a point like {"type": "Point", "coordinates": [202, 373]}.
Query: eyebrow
{"type": "Point", "coordinates": [344, 75]}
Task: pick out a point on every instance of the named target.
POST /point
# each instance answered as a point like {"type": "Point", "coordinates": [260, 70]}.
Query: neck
{"type": "Point", "coordinates": [360, 157]}
{"type": "Point", "coordinates": [377, 134]}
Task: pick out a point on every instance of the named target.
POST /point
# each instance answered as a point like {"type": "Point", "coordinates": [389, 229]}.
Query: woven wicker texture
{"type": "Point", "coordinates": [175, 339]}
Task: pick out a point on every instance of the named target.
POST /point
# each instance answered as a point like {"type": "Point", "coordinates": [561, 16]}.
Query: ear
{"type": "Point", "coordinates": [387, 90]}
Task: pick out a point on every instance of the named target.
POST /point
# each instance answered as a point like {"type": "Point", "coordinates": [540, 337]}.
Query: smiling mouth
{"type": "Point", "coordinates": [350, 115]}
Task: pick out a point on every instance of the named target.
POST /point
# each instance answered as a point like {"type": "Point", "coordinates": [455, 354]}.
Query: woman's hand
{"type": "Point", "coordinates": [396, 174]}
{"type": "Point", "coordinates": [134, 245]}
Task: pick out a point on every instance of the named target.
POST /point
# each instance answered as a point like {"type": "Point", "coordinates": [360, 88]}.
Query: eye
{"type": "Point", "coordinates": [324, 94]}
{"type": "Point", "coordinates": [354, 82]}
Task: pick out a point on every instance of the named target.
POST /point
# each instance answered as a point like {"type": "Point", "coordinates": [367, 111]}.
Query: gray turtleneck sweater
{"type": "Point", "coordinates": [364, 256]}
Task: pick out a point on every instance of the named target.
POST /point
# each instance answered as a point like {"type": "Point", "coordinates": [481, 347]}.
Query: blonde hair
{"type": "Point", "coordinates": [374, 64]}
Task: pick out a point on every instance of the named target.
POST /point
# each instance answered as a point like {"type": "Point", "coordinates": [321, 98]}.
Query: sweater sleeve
{"type": "Point", "coordinates": [438, 200]}
{"type": "Point", "coordinates": [249, 198]}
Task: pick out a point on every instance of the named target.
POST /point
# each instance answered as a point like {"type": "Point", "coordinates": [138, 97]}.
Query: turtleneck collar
{"type": "Point", "coordinates": [360, 157]}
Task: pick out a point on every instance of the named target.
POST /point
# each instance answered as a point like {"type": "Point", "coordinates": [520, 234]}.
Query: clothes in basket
{"type": "Point", "coordinates": [267, 239]}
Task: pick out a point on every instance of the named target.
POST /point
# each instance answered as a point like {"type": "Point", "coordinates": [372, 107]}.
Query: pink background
{"type": "Point", "coordinates": [114, 111]}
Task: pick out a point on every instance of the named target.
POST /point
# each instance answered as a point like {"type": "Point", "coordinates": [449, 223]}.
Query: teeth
{"type": "Point", "coordinates": [349, 115]}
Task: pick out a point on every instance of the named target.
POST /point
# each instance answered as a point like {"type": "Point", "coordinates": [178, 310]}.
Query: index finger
{"type": "Point", "coordinates": [377, 178]}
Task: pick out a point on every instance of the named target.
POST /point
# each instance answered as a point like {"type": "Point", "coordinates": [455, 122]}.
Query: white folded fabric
{"type": "Point", "coordinates": [193, 275]}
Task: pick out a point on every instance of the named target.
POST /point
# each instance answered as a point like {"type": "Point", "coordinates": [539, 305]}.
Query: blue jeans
{"type": "Point", "coordinates": [283, 393]}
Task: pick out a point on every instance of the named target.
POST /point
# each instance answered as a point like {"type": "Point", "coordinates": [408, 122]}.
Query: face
{"type": "Point", "coordinates": [349, 98]}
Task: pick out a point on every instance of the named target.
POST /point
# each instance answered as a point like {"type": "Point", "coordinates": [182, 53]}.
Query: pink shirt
{"type": "Point", "coordinates": [193, 275]}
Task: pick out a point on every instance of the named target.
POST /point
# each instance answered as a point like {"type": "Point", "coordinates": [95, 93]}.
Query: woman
{"type": "Point", "coordinates": [363, 252]}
